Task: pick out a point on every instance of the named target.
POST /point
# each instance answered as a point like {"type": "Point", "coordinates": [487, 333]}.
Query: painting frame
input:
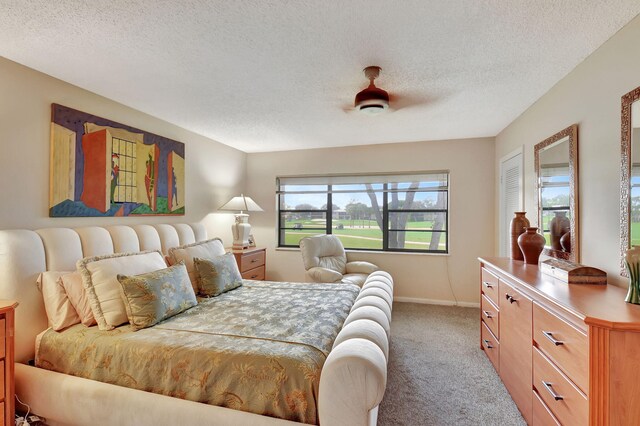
{"type": "Point", "coordinates": [102, 168]}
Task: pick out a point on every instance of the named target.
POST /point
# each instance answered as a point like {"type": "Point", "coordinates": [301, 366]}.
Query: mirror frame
{"type": "Point", "coordinates": [625, 173]}
{"type": "Point", "coordinates": [572, 133]}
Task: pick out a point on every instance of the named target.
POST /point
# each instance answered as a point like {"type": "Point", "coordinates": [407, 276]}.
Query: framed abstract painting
{"type": "Point", "coordinates": [103, 168]}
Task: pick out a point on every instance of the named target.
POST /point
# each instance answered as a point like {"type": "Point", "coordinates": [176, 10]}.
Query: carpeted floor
{"type": "Point", "coordinates": [438, 375]}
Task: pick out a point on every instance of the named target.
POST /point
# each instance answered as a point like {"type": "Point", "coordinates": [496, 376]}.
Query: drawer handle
{"type": "Point", "coordinates": [549, 336]}
{"type": "Point", "coordinates": [253, 276]}
{"type": "Point", "coordinates": [254, 260]}
{"type": "Point", "coordinates": [487, 344]}
{"type": "Point", "coordinates": [510, 298]}
{"type": "Point", "coordinates": [487, 314]}
{"type": "Point", "coordinates": [487, 285]}
{"type": "Point", "coordinates": [549, 389]}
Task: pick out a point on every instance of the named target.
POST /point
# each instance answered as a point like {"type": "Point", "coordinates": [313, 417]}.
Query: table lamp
{"type": "Point", "coordinates": [241, 229]}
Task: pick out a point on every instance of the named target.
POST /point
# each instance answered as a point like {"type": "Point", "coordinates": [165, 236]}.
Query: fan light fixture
{"type": "Point", "coordinates": [372, 100]}
{"type": "Point", "coordinates": [241, 229]}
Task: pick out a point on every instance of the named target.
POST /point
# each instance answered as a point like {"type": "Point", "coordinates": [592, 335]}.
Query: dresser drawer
{"type": "Point", "coordinates": [252, 260]}
{"type": "Point", "coordinates": [567, 403]}
{"type": "Point", "coordinates": [565, 345]}
{"type": "Point", "coordinates": [491, 346]}
{"type": "Point", "coordinates": [542, 416]}
{"type": "Point", "coordinates": [490, 316]}
{"type": "Point", "coordinates": [254, 274]}
{"type": "Point", "coordinates": [490, 286]}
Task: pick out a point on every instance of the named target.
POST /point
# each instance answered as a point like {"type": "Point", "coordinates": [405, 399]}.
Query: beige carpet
{"type": "Point", "coordinates": [438, 375]}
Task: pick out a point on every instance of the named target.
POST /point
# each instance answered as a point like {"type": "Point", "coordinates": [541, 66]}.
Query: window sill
{"type": "Point", "coordinates": [402, 253]}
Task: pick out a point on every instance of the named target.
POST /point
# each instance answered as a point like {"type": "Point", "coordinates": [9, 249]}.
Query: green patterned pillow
{"type": "Point", "coordinates": [218, 274]}
{"type": "Point", "coordinates": [152, 297]}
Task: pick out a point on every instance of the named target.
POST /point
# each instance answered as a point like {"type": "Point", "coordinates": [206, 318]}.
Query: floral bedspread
{"type": "Point", "coordinates": [258, 348]}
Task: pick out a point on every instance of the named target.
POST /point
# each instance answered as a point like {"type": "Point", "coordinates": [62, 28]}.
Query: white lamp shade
{"type": "Point", "coordinates": [241, 203]}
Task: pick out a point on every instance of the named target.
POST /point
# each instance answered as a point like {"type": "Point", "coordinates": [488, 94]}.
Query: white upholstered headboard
{"type": "Point", "coordinates": [25, 254]}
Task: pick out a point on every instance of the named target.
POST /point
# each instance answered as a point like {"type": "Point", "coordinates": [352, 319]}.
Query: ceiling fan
{"type": "Point", "coordinates": [372, 100]}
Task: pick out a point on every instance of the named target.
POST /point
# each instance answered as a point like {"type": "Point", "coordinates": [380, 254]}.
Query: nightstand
{"type": "Point", "coordinates": [251, 262]}
{"type": "Point", "coordinates": [7, 392]}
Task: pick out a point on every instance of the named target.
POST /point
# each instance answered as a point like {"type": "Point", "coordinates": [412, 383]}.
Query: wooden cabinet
{"type": "Point", "coordinates": [251, 262]}
{"type": "Point", "coordinates": [7, 391]}
{"type": "Point", "coordinates": [569, 354]}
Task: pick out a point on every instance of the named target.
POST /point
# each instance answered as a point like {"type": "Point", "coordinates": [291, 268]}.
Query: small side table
{"type": "Point", "coordinates": [7, 403]}
{"type": "Point", "coordinates": [251, 262]}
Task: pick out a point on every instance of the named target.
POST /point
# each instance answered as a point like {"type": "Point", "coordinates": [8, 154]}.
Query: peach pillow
{"type": "Point", "coordinates": [59, 309]}
{"type": "Point", "coordinates": [72, 284]}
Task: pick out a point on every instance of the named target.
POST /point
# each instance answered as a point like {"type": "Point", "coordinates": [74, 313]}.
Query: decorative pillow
{"type": "Point", "coordinates": [59, 309]}
{"type": "Point", "coordinates": [218, 275]}
{"type": "Point", "coordinates": [203, 250]}
{"type": "Point", "coordinates": [152, 297]}
{"type": "Point", "coordinates": [99, 277]}
{"type": "Point", "coordinates": [72, 283]}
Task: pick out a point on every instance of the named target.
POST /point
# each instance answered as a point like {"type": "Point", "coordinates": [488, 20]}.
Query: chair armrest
{"type": "Point", "coordinates": [360, 267]}
{"type": "Point", "coordinates": [324, 275]}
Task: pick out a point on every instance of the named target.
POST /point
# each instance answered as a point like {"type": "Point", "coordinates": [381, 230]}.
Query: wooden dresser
{"type": "Point", "coordinates": [7, 403]}
{"type": "Point", "coordinates": [569, 354]}
{"type": "Point", "coordinates": [251, 262]}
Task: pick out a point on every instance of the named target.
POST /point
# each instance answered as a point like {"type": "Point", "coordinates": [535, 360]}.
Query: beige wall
{"type": "Point", "coordinates": [590, 96]}
{"type": "Point", "coordinates": [417, 276]}
{"type": "Point", "coordinates": [214, 172]}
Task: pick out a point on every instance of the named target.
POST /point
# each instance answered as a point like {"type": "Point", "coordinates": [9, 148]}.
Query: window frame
{"type": "Point", "coordinates": [385, 191]}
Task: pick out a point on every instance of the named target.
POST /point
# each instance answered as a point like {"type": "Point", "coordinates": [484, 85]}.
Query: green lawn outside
{"type": "Point", "coordinates": [364, 238]}
{"type": "Point", "coordinates": [635, 234]}
{"type": "Point", "coordinates": [352, 224]}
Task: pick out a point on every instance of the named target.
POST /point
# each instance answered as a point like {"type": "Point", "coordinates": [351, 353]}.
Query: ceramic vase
{"type": "Point", "coordinates": [565, 242]}
{"type": "Point", "coordinates": [519, 225]}
{"type": "Point", "coordinates": [632, 260]}
{"type": "Point", "coordinates": [531, 243]}
{"type": "Point", "coordinates": [558, 226]}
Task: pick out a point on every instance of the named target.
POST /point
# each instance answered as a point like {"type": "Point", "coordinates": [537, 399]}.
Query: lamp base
{"type": "Point", "coordinates": [241, 231]}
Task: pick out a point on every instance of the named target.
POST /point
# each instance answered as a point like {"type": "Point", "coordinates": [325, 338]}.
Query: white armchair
{"type": "Point", "coordinates": [325, 261]}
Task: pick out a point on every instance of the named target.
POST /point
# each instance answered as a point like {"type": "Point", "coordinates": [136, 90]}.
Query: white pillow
{"type": "Point", "coordinates": [60, 311]}
{"type": "Point", "coordinates": [209, 249]}
{"type": "Point", "coordinates": [99, 277]}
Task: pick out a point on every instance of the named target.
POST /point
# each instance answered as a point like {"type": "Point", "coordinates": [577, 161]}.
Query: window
{"type": "Point", "coordinates": [123, 171]}
{"type": "Point", "coordinates": [554, 196]}
{"type": "Point", "coordinates": [381, 212]}
{"type": "Point", "coordinates": [635, 204]}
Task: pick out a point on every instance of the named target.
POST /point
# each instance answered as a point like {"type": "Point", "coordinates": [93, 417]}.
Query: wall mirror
{"type": "Point", "coordinates": [556, 165]}
{"type": "Point", "coordinates": [630, 174]}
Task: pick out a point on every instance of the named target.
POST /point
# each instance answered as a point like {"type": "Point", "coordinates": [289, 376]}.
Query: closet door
{"type": "Point", "coordinates": [511, 196]}
{"type": "Point", "coordinates": [516, 362]}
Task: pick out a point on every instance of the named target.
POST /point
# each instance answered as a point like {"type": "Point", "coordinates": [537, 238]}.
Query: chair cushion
{"type": "Point", "coordinates": [360, 267]}
{"type": "Point", "coordinates": [325, 251]}
{"type": "Point", "coordinates": [357, 279]}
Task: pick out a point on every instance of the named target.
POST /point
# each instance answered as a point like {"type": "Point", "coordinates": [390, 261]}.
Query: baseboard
{"type": "Point", "coordinates": [436, 302]}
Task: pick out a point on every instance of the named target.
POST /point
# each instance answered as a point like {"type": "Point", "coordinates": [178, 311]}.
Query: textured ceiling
{"type": "Point", "coordinates": [276, 75]}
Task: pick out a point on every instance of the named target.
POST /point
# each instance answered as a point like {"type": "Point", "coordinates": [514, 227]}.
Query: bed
{"type": "Point", "coordinates": [352, 377]}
